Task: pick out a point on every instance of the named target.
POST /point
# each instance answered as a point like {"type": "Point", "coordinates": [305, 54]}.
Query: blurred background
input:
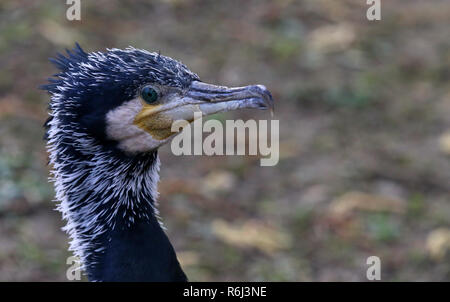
{"type": "Point", "coordinates": [364, 110]}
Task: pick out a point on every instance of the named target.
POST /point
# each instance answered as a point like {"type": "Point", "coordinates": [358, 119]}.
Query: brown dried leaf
{"type": "Point", "coordinates": [438, 243]}
{"type": "Point", "coordinates": [351, 201]}
{"type": "Point", "coordinates": [331, 38]}
{"type": "Point", "coordinates": [252, 234]}
{"type": "Point", "coordinates": [219, 181]}
{"type": "Point", "coordinates": [444, 143]}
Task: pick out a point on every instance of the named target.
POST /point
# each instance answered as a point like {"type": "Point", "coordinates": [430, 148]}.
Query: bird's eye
{"type": "Point", "coordinates": [149, 94]}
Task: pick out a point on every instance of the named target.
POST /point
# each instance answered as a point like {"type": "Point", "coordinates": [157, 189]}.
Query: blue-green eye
{"type": "Point", "coordinates": [149, 94]}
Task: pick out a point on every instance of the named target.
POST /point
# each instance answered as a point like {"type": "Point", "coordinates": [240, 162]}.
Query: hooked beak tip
{"type": "Point", "coordinates": [266, 97]}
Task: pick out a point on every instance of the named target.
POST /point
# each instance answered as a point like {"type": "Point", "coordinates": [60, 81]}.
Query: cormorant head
{"type": "Point", "coordinates": [129, 99]}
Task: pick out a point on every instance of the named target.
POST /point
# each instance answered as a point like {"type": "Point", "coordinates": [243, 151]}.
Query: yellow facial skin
{"type": "Point", "coordinates": [157, 120]}
{"type": "Point", "coordinates": [153, 121]}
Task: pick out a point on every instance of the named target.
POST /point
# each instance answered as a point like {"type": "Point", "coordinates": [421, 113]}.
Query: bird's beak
{"type": "Point", "coordinates": [200, 97]}
{"type": "Point", "coordinates": [213, 99]}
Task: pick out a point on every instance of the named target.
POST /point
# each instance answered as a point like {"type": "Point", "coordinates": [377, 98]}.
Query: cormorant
{"type": "Point", "coordinates": [109, 113]}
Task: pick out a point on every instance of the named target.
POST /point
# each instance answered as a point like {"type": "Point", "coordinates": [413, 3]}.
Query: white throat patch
{"type": "Point", "coordinates": [83, 188]}
{"type": "Point", "coordinates": [121, 128]}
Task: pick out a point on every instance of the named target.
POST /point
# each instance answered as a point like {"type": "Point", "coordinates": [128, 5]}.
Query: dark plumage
{"type": "Point", "coordinates": [103, 139]}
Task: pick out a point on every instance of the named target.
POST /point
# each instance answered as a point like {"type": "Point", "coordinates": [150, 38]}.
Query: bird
{"type": "Point", "coordinates": [109, 112]}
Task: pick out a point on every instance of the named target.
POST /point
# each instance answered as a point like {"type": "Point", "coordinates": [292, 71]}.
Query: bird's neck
{"type": "Point", "coordinates": [139, 252]}
{"type": "Point", "coordinates": [109, 202]}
